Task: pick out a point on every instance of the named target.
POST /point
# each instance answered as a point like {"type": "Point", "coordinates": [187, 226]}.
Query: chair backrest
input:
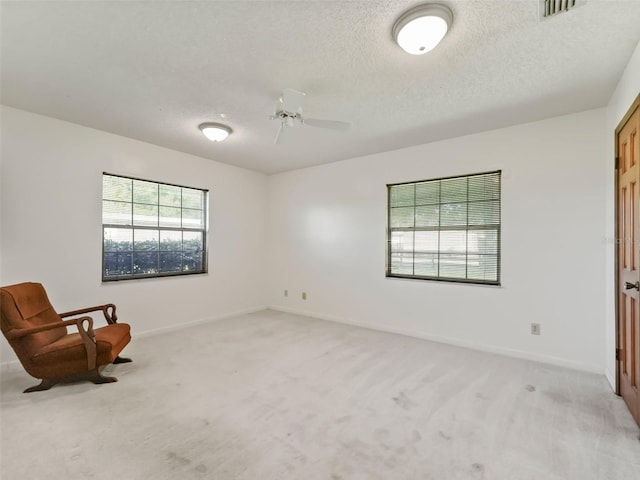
{"type": "Point", "coordinates": [26, 305]}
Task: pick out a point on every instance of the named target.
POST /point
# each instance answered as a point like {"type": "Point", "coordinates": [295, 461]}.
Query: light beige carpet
{"type": "Point", "coordinates": [273, 396]}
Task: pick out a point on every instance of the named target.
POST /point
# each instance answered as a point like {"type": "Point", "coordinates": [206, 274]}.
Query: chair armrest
{"type": "Point", "coordinates": [87, 334]}
{"type": "Point", "coordinates": [108, 310]}
{"type": "Point", "coordinates": [19, 333]}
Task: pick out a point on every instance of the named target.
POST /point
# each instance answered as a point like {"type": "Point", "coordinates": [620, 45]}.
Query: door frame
{"type": "Point", "coordinates": [632, 108]}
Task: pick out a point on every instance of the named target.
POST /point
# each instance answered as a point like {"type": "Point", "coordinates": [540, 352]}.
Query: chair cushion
{"type": "Point", "coordinates": [30, 298]}
{"type": "Point", "coordinates": [26, 305]}
{"type": "Point", "coordinates": [67, 355]}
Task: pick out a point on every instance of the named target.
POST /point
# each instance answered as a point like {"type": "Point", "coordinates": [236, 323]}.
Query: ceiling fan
{"type": "Point", "coordinates": [289, 112]}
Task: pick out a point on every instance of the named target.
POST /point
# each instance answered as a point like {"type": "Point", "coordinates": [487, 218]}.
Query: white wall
{"type": "Point", "coordinates": [51, 189]}
{"type": "Point", "coordinates": [326, 236]}
{"type": "Point", "coordinates": [626, 92]}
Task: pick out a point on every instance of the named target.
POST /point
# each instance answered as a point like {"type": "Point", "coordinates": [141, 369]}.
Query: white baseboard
{"type": "Point", "coordinates": [548, 359]}
{"type": "Point", "coordinates": [9, 365]}
{"type": "Point", "coordinates": [509, 352]}
{"type": "Point", "coordinates": [193, 323]}
{"type": "Point", "coordinates": [611, 378]}
{"type": "Point", "coordinates": [171, 328]}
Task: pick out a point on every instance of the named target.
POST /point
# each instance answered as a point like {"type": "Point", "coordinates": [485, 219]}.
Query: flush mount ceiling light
{"type": "Point", "coordinates": [216, 132]}
{"type": "Point", "coordinates": [421, 28]}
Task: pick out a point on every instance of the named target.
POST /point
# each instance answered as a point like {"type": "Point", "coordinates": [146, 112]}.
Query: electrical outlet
{"type": "Point", "coordinates": [304, 295]}
{"type": "Point", "coordinates": [286, 293]}
{"type": "Point", "coordinates": [535, 329]}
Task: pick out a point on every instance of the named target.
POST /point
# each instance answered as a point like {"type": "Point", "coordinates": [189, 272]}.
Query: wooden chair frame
{"type": "Point", "coordinates": [84, 325]}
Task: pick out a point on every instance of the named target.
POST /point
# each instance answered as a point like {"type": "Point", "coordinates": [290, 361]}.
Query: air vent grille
{"type": "Point", "coordinates": [554, 7]}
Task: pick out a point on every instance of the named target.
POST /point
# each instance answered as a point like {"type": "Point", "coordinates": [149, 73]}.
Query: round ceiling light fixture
{"type": "Point", "coordinates": [216, 132]}
{"type": "Point", "coordinates": [420, 29]}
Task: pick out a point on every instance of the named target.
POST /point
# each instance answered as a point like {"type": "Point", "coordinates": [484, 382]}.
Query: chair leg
{"type": "Point", "coordinates": [119, 359]}
{"type": "Point", "coordinates": [96, 377]}
{"type": "Point", "coordinates": [93, 376]}
{"type": "Point", "coordinates": [45, 384]}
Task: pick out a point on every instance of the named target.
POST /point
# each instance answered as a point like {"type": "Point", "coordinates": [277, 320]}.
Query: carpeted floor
{"type": "Point", "coordinates": [274, 396]}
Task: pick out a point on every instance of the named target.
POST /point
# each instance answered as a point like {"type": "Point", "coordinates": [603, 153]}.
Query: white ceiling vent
{"type": "Point", "coordinates": [550, 8]}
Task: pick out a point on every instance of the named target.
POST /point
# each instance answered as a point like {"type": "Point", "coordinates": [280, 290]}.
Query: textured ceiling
{"type": "Point", "coordinates": [154, 70]}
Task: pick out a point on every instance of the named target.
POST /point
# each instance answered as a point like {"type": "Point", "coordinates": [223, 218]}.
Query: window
{"type": "Point", "coordinates": [445, 229]}
{"type": "Point", "coordinates": [151, 229]}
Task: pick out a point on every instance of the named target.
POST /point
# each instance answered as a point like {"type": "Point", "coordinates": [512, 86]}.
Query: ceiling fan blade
{"type": "Point", "coordinates": [282, 135]}
{"type": "Point", "coordinates": [332, 124]}
{"type": "Point", "coordinates": [292, 100]}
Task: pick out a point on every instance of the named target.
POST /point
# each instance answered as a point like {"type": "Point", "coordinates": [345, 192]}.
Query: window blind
{"type": "Point", "coordinates": [445, 229]}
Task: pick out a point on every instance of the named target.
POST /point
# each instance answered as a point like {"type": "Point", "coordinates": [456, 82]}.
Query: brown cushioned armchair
{"type": "Point", "coordinates": [46, 350]}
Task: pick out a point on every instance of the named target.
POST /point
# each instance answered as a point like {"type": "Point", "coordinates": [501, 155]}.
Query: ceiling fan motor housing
{"type": "Point", "coordinates": [288, 118]}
